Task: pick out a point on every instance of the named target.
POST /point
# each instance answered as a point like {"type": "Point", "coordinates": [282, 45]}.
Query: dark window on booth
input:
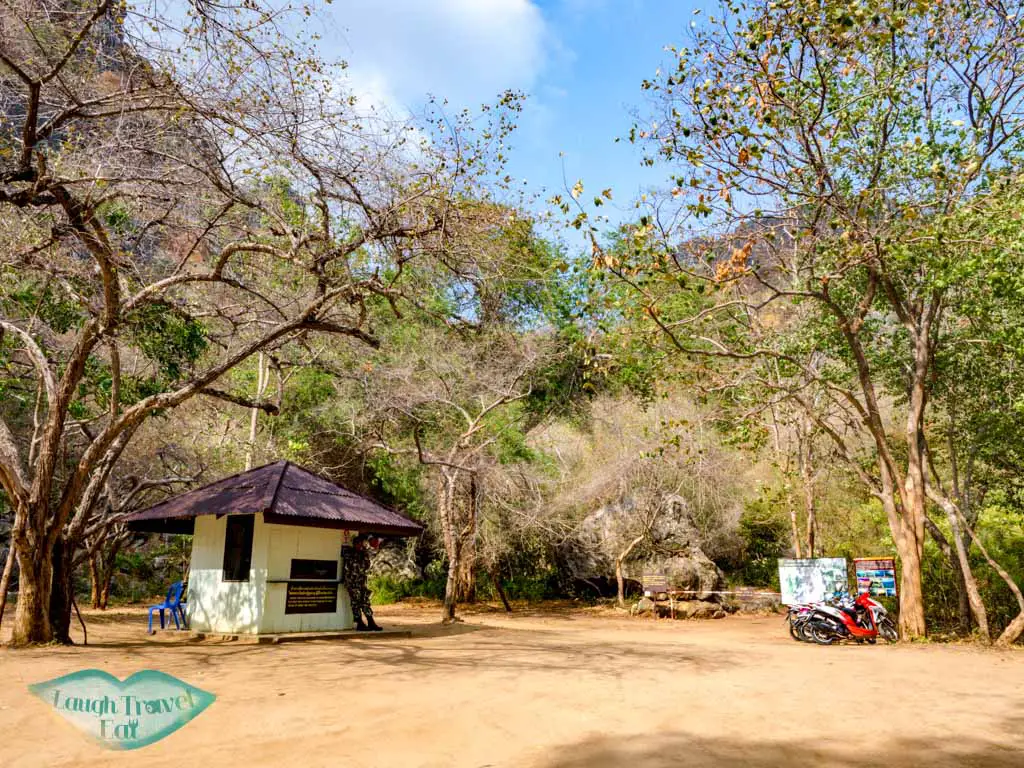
{"type": "Point", "coordinates": [238, 547]}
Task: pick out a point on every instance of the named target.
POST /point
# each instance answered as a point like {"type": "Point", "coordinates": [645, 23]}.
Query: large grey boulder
{"type": "Point", "coordinates": [670, 545]}
{"type": "Point", "coordinates": [642, 606]}
{"type": "Point", "coordinates": [691, 571]}
{"type": "Point", "coordinates": [396, 559]}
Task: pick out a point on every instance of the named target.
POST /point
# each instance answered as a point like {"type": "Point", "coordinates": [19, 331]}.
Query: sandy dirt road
{"type": "Point", "coordinates": [573, 689]}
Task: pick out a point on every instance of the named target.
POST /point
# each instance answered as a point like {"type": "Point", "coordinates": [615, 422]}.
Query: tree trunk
{"type": "Point", "coordinates": [262, 378]}
{"type": "Point", "coordinates": [107, 564]}
{"type": "Point", "coordinates": [446, 515]}
{"type": "Point", "coordinates": [967, 581]}
{"type": "Point", "coordinates": [963, 602]}
{"type": "Point", "coordinates": [812, 525]}
{"type": "Point", "coordinates": [450, 588]}
{"type": "Point", "coordinates": [913, 492]}
{"type": "Point", "coordinates": [808, 483]}
{"type": "Point", "coordinates": [621, 582]}
{"type": "Point", "coordinates": [466, 592]}
{"type": "Point", "coordinates": [94, 580]}
{"type": "Point", "coordinates": [62, 591]}
{"type": "Point", "coordinates": [911, 623]}
{"type": "Point", "coordinates": [81, 621]}
{"type": "Point", "coordinates": [807, 479]}
{"type": "Point", "coordinates": [1016, 627]}
{"type": "Point", "coordinates": [465, 585]}
{"type": "Point", "coordinates": [794, 524]}
{"type": "Point", "coordinates": [619, 578]}
{"type": "Point", "coordinates": [5, 580]}
{"type": "Point", "coordinates": [1013, 630]}
{"type": "Point", "coordinates": [496, 579]}
{"type": "Point", "coordinates": [32, 616]}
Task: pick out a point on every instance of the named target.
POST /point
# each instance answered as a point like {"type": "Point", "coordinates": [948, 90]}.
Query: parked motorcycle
{"type": "Point", "coordinates": [861, 619]}
{"type": "Point", "coordinates": [797, 617]}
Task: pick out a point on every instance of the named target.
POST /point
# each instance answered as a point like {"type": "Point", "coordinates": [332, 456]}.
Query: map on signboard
{"type": "Point", "coordinates": [811, 580]}
{"type": "Point", "coordinates": [876, 576]}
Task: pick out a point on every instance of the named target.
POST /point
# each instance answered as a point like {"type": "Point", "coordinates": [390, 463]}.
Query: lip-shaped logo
{"type": "Point", "coordinates": [128, 714]}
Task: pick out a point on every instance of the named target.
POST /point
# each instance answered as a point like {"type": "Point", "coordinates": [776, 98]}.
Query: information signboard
{"type": "Point", "coordinates": [811, 580]}
{"type": "Point", "coordinates": [654, 582]}
{"type": "Point", "coordinates": [311, 598]}
{"type": "Point", "coordinates": [876, 576]}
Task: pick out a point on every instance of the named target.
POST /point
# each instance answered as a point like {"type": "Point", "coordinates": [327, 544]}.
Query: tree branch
{"type": "Point", "coordinates": [245, 402]}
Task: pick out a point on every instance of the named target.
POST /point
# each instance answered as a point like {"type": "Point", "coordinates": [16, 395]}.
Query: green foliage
{"type": "Point", "coordinates": [1003, 535]}
{"type": "Point", "coordinates": [288, 202]}
{"type": "Point", "coordinates": [539, 584]}
{"type": "Point", "coordinates": [116, 216]}
{"type": "Point", "coordinates": [45, 300]}
{"type": "Point", "coordinates": [146, 570]}
{"type": "Point", "coordinates": [941, 590]}
{"type": "Point", "coordinates": [563, 379]}
{"type": "Point", "coordinates": [386, 589]}
{"type": "Point", "coordinates": [533, 587]}
{"type": "Point", "coordinates": [96, 387]}
{"type": "Point", "coordinates": [512, 447]}
{"type": "Point", "coordinates": [765, 537]}
{"type": "Point", "coordinates": [536, 287]}
{"type": "Point", "coordinates": [168, 337]}
{"type": "Point", "coordinates": [854, 529]}
{"type": "Point", "coordinates": [398, 484]}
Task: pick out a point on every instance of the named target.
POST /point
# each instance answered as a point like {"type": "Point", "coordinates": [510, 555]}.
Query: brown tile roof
{"type": "Point", "coordinates": [286, 494]}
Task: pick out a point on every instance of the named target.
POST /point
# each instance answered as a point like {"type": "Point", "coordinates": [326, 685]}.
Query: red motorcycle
{"type": "Point", "coordinates": [861, 619]}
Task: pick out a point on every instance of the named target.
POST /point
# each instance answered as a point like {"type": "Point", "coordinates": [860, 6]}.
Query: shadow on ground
{"type": "Point", "coordinates": [668, 750]}
{"type": "Point", "coordinates": [432, 648]}
{"type": "Point", "coordinates": [517, 651]}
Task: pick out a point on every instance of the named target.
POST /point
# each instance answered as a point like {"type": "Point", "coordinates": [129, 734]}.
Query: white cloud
{"type": "Point", "coordinates": [466, 51]}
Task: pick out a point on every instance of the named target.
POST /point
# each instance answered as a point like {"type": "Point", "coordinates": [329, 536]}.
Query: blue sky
{"type": "Point", "coordinates": [580, 61]}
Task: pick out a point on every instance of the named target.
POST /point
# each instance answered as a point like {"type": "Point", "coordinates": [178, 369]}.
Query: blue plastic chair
{"type": "Point", "coordinates": [171, 603]}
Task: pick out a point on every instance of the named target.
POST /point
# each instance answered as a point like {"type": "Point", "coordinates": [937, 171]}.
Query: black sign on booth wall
{"type": "Point", "coordinates": [314, 569]}
{"type": "Point", "coordinates": [312, 597]}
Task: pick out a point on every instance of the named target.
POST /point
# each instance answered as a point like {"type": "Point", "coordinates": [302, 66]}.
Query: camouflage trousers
{"type": "Point", "coordinates": [359, 595]}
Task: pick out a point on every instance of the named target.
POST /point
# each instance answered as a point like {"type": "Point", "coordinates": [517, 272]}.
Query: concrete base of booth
{"type": "Point", "coordinates": [295, 637]}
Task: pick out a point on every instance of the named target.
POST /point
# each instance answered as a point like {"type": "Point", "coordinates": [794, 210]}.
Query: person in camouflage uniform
{"type": "Point", "coordinates": [356, 567]}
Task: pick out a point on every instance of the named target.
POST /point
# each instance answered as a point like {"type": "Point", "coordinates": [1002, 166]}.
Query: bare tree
{"type": "Point", "coordinates": [175, 199]}
{"type": "Point", "coordinates": [107, 533]}
{"type": "Point", "coordinates": [448, 404]}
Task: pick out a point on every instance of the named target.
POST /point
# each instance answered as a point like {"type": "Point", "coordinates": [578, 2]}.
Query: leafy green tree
{"type": "Point", "coordinates": [827, 157]}
{"type": "Point", "coordinates": [461, 397]}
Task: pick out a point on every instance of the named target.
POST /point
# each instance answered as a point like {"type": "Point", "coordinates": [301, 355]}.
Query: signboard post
{"type": "Point", "coordinates": [811, 580]}
{"type": "Point", "coordinates": [876, 576]}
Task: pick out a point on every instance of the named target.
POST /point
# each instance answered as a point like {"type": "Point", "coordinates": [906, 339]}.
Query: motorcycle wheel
{"type": "Point", "coordinates": [887, 630]}
{"type": "Point", "coordinates": [804, 631]}
{"type": "Point", "coordinates": [793, 630]}
{"type": "Point", "coordinates": [821, 634]}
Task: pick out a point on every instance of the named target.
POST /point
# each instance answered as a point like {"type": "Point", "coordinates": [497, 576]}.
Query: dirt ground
{"type": "Point", "coordinates": [541, 689]}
